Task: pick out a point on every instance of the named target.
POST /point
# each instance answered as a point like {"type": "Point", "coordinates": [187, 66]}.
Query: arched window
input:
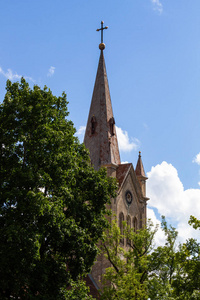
{"type": "Point", "coordinates": [135, 224]}
{"type": "Point", "coordinates": [121, 219]}
{"type": "Point", "coordinates": [128, 241]}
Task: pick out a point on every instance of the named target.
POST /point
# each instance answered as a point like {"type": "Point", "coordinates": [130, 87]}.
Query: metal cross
{"type": "Point", "coordinates": [101, 29]}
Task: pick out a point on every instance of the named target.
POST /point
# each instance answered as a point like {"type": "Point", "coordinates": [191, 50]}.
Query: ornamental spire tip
{"type": "Point", "coordinates": [102, 45]}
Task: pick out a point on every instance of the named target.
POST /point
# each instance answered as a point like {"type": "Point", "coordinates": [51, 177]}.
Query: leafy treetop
{"type": "Point", "coordinates": [52, 201]}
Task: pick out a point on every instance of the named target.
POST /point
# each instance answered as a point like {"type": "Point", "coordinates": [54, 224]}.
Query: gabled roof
{"type": "Point", "coordinates": [122, 172]}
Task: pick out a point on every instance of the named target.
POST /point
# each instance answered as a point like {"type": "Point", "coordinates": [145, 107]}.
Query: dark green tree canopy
{"type": "Point", "coordinates": [52, 202]}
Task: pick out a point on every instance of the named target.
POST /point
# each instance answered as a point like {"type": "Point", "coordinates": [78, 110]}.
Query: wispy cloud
{"type": "Point", "coordinates": [80, 133]}
{"type": "Point", "coordinates": [126, 144]}
{"type": "Point", "coordinates": [81, 130]}
{"type": "Point", "coordinates": [157, 6]}
{"type": "Point", "coordinates": [197, 159]}
{"type": "Point", "coordinates": [51, 71]}
{"type": "Point", "coordinates": [145, 126]}
{"type": "Point", "coordinates": [9, 74]}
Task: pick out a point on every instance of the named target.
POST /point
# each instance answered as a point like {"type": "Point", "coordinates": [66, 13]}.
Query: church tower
{"type": "Point", "coordinates": [101, 140]}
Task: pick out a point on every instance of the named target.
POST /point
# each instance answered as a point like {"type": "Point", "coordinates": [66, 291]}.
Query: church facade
{"type": "Point", "coordinates": [101, 140]}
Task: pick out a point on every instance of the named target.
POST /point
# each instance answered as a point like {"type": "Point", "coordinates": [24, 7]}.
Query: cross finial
{"type": "Point", "coordinates": [102, 45]}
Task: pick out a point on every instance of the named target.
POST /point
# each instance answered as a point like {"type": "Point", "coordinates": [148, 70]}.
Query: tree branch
{"type": "Point", "coordinates": [109, 258]}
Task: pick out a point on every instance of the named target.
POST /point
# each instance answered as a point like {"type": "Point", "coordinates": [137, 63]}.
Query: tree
{"type": "Point", "coordinates": [162, 266]}
{"type": "Point", "coordinates": [78, 291]}
{"type": "Point", "coordinates": [141, 271]}
{"type": "Point", "coordinates": [174, 270]}
{"type": "Point", "coordinates": [187, 281]}
{"type": "Point", "coordinates": [52, 201]}
{"type": "Point", "coordinates": [127, 276]}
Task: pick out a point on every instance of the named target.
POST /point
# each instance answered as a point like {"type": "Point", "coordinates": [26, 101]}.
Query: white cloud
{"type": "Point", "coordinates": [80, 133]}
{"type": "Point", "coordinates": [159, 239]}
{"type": "Point", "coordinates": [157, 6]}
{"type": "Point", "coordinates": [168, 196]}
{"type": "Point", "coordinates": [9, 74]}
{"type": "Point", "coordinates": [81, 130]}
{"type": "Point", "coordinates": [197, 159]}
{"type": "Point", "coordinates": [51, 71]}
{"type": "Point", "coordinates": [126, 144]}
{"type": "Point", "coordinates": [13, 76]}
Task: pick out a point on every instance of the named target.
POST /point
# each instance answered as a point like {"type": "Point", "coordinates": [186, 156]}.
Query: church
{"type": "Point", "coordinates": [101, 140]}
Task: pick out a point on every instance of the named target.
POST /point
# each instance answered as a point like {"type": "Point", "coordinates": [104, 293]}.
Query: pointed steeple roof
{"type": "Point", "coordinates": [139, 168]}
{"type": "Point", "coordinates": [100, 135]}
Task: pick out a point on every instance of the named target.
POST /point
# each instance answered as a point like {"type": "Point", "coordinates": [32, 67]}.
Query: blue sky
{"type": "Point", "coordinates": [153, 64]}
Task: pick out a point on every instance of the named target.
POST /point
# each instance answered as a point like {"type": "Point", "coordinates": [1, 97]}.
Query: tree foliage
{"type": "Point", "coordinates": [52, 202]}
{"type": "Point", "coordinates": [127, 276]}
{"type": "Point", "coordinates": [77, 291]}
{"type": "Point", "coordinates": [142, 271]}
{"type": "Point", "coordinates": [175, 268]}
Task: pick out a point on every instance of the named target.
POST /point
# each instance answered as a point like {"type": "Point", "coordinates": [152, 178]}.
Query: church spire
{"type": "Point", "coordinates": [100, 135]}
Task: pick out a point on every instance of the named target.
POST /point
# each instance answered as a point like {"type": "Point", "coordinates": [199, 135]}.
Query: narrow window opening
{"type": "Point", "coordinates": [112, 123]}
{"type": "Point", "coordinates": [135, 225]}
{"type": "Point", "coordinates": [93, 124]}
{"type": "Point", "coordinates": [128, 241]}
{"type": "Point", "coordinates": [141, 220]}
{"type": "Point", "coordinates": [121, 219]}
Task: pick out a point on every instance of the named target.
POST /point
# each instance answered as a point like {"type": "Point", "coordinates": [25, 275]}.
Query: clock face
{"type": "Point", "coordinates": [129, 197]}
